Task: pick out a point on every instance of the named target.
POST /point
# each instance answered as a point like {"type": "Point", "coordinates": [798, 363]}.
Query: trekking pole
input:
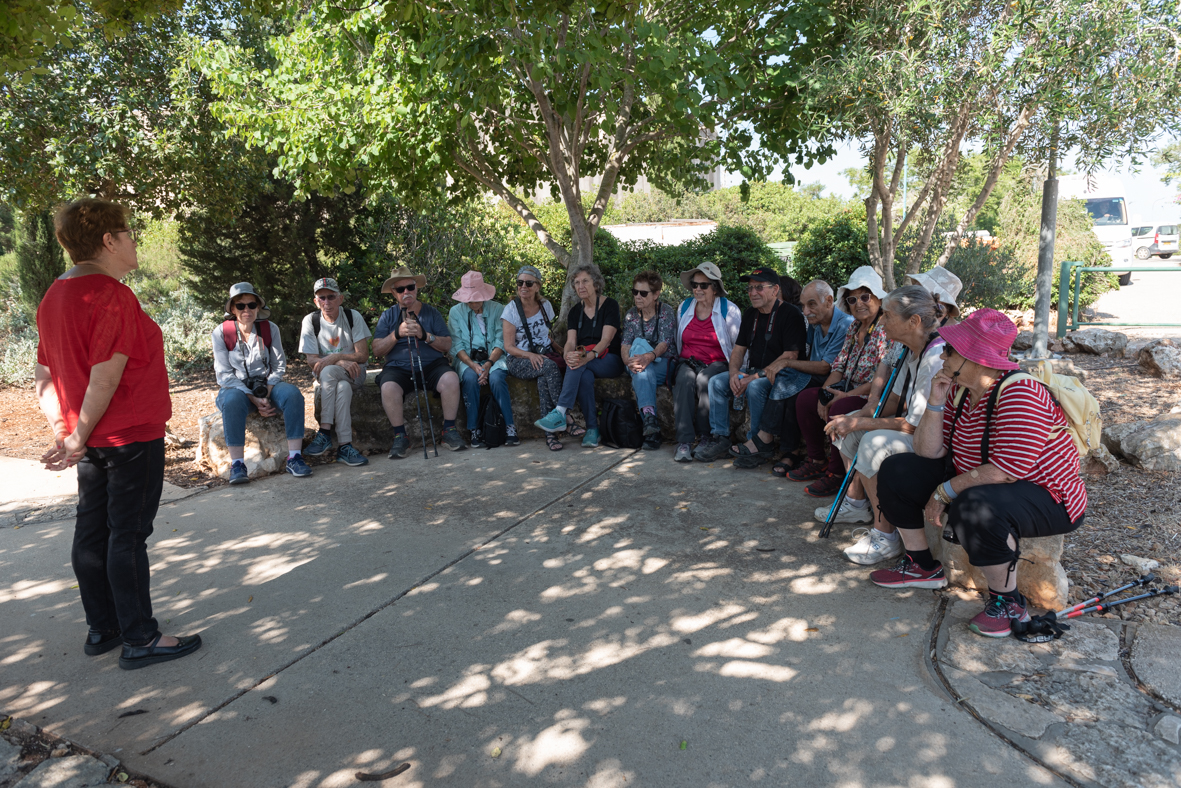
{"type": "Point", "coordinates": [832, 513]}
{"type": "Point", "coordinates": [1109, 605]}
{"type": "Point", "coordinates": [417, 354]}
{"type": "Point", "coordinates": [1064, 613]}
{"type": "Point", "coordinates": [1049, 626]}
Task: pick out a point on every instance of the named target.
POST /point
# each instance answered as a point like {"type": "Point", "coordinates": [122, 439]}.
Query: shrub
{"type": "Point", "coordinates": [832, 248]}
{"type": "Point", "coordinates": [990, 276]}
{"type": "Point", "coordinates": [186, 326]}
{"type": "Point", "coordinates": [39, 256]}
{"type": "Point", "coordinates": [18, 336]}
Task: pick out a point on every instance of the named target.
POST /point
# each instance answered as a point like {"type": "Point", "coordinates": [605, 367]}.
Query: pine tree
{"type": "Point", "coordinates": [39, 257]}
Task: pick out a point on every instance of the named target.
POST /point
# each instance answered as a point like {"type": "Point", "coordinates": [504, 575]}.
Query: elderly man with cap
{"type": "Point", "coordinates": [414, 339]}
{"type": "Point", "coordinates": [335, 341]}
{"type": "Point", "coordinates": [771, 334]}
{"type": "Point", "coordinates": [478, 353]}
{"type": "Point", "coordinates": [249, 362]}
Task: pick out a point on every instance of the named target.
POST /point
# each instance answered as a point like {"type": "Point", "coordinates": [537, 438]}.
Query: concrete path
{"type": "Point", "coordinates": [504, 618]}
{"type": "Point", "coordinates": [1153, 297]}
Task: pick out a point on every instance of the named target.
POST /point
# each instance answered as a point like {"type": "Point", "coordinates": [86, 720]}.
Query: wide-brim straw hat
{"type": "Point", "coordinates": [865, 277]}
{"type": "Point", "coordinates": [985, 337]}
{"type": "Point", "coordinates": [403, 273]}
{"type": "Point", "coordinates": [474, 288]}
{"type": "Point", "coordinates": [942, 284]}
{"type": "Point", "coordinates": [245, 288]}
{"type": "Point", "coordinates": [711, 271]}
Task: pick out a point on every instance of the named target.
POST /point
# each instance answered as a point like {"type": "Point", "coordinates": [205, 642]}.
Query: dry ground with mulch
{"type": "Point", "coordinates": [1133, 511]}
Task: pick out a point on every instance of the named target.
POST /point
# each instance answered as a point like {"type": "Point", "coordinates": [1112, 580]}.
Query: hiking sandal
{"type": "Point", "coordinates": [574, 429]}
{"type": "Point", "coordinates": [787, 464]}
{"type": "Point", "coordinates": [552, 442]}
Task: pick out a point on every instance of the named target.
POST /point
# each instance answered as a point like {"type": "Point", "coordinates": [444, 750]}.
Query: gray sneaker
{"type": "Point", "coordinates": [684, 453]}
{"type": "Point", "coordinates": [715, 447]}
{"type": "Point", "coordinates": [401, 446]}
{"type": "Point", "coordinates": [349, 455]}
{"type": "Point", "coordinates": [452, 439]}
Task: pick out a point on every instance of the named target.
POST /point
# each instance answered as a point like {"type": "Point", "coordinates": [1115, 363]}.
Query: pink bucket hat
{"type": "Point", "coordinates": [985, 337]}
{"type": "Point", "coordinates": [474, 288]}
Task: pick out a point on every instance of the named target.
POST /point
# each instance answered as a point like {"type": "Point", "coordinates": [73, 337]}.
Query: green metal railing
{"type": "Point", "coordinates": [1071, 277]}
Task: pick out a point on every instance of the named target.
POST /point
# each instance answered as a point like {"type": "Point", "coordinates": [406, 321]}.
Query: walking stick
{"type": "Point", "coordinates": [832, 513]}
{"type": "Point", "coordinates": [1049, 626]}
{"type": "Point", "coordinates": [415, 353]}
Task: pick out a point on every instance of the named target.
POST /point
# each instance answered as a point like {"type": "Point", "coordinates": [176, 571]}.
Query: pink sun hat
{"type": "Point", "coordinates": [474, 288]}
{"type": "Point", "coordinates": [985, 337]}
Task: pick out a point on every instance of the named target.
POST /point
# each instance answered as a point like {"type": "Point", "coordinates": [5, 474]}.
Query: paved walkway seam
{"type": "Point", "coordinates": [384, 605]}
{"type": "Point", "coordinates": [1125, 656]}
{"type": "Point", "coordinates": [962, 702]}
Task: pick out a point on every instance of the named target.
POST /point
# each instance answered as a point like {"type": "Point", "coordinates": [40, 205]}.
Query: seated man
{"type": "Point", "coordinates": [772, 333]}
{"type": "Point", "coordinates": [336, 343]}
{"type": "Point", "coordinates": [410, 331]}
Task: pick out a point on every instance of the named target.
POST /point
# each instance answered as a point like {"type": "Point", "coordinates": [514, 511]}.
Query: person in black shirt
{"type": "Point", "coordinates": [771, 334]}
{"type": "Point", "coordinates": [592, 351]}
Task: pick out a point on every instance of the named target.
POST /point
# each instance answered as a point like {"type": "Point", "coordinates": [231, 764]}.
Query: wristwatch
{"type": "Point", "coordinates": [430, 338]}
{"type": "Point", "coordinates": [941, 496]}
{"type": "Point", "coordinates": [762, 373]}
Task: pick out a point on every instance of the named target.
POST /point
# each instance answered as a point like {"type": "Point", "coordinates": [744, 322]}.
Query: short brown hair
{"type": "Point", "coordinates": [80, 226]}
{"type": "Point", "coordinates": [650, 278]}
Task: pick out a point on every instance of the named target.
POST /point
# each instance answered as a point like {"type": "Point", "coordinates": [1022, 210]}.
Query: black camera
{"type": "Point", "coordinates": [257, 386]}
{"type": "Point", "coordinates": [478, 355]}
{"type": "Point", "coordinates": [825, 396]}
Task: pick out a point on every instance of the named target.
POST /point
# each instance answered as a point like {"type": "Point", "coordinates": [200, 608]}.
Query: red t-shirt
{"type": "Point", "coordinates": [85, 321]}
{"type": "Point", "coordinates": [1020, 441]}
{"type": "Point", "coordinates": [700, 341]}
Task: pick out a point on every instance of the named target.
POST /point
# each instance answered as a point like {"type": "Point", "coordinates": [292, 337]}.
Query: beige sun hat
{"type": "Point", "coordinates": [942, 284]}
{"type": "Point", "coordinates": [245, 288]}
{"type": "Point", "coordinates": [865, 277]}
{"type": "Point", "coordinates": [403, 273]}
{"type": "Point", "coordinates": [711, 271]}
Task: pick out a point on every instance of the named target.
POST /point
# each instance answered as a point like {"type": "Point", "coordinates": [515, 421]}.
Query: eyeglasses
{"type": "Point", "coordinates": [863, 298]}
{"type": "Point", "coordinates": [641, 293]}
{"type": "Point", "coordinates": [753, 288]}
{"type": "Point", "coordinates": [697, 284]}
{"type": "Point", "coordinates": [404, 288]}
{"type": "Point", "coordinates": [242, 306]}
{"type": "Point", "coordinates": [132, 234]}
{"type": "Point", "coordinates": [329, 297]}
{"type": "Point", "coordinates": [526, 283]}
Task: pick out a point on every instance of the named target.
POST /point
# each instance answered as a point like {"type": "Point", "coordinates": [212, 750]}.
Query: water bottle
{"type": "Point", "coordinates": [740, 400]}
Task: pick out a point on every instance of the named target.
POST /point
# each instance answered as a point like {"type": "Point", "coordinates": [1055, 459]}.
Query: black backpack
{"type": "Point", "coordinates": [619, 424]}
{"type": "Point", "coordinates": [493, 427]}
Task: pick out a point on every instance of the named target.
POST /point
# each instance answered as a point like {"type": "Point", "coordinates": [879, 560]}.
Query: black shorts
{"type": "Point", "coordinates": [433, 372]}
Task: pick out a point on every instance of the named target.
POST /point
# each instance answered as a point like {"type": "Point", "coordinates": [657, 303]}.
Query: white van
{"type": "Point", "coordinates": [1108, 205]}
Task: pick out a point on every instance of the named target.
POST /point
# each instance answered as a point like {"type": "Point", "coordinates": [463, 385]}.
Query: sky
{"type": "Point", "coordinates": [1149, 200]}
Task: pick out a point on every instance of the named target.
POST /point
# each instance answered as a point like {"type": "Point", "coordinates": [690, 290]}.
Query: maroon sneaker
{"type": "Point", "coordinates": [907, 574]}
{"type": "Point", "coordinates": [809, 470]}
{"type": "Point", "coordinates": [996, 620]}
{"type": "Point", "coordinates": [826, 486]}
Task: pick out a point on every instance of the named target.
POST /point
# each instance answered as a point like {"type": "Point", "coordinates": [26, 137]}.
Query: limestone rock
{"type": "Point", "coordinates": [1135, 345]}
{"type": "Point", "coordinates": [76, 771]}
{"type": "Point", "coordinates": [1024, 340]}
{"type": "Point", "coordinates": [1100, 462]}
{"type": "Point", "coordinates": [1098, 341]}
{"type": "Point", "coordinates": [1043, 582]}
{"type": "Point", "coordinates": [1155, 659]}
{"type": "Point", "coordinates": [1000, 708]}
{"type": "Point", "coordinates": [10, 759]}
{"type": "Point", "coordinates": [1155, 444]}
{"type": "Point", "coordinates": [973, 654]}
{"type": "Point", "coordinates": [1143, 565]}
{"type": "Point", "coordinates": [1161, 358]}
{"type": "Point", "coordinates": [1086, 640]}
{"type": "Point", "coordinates": [1115, 756]}
{"type": "Point", "coordinates": [1168, 728]}
{"type": "Point", "coordinates": [265, 451]}
{"type": "Point", "coordinates": [1068, 345]}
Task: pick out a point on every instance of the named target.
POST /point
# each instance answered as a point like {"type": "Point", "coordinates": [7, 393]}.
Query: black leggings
{"type": "Point", "coordinates": [983, 517]}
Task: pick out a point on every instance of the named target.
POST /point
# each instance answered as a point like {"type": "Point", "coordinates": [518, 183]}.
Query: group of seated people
{"type": "Point", "coordinates": [812, 367]}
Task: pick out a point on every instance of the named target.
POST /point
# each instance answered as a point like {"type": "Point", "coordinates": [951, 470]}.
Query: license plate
{"type": "Point", "coordinates": [1169, 244]}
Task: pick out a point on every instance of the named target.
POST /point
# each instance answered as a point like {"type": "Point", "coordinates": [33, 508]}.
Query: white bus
{"type": "Point", "coordinates": [1108, 205]}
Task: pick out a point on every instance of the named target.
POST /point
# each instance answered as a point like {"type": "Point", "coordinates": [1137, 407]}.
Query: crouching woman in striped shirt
{"type": "Point", "coordinates": [1019, 480]}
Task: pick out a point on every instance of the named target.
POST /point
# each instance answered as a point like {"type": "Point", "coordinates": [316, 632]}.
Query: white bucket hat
{"type": "Point", "coordinates": [942, 284]}
{"type": "Point", "coordinates": [865, 277]}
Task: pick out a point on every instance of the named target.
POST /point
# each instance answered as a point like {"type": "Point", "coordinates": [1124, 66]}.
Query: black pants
{"type": "Point", "coordinates": [119, 491]}
{"type": "Point", "coordinates": [779, 418]}
{"type": "Point", "coordinates": [983, 517]}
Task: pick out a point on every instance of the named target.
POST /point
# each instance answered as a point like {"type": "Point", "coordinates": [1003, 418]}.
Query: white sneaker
{"type": "Point", "coordinates": [874, 547]}
{"type": "Point", "coordinates": [846, 514]}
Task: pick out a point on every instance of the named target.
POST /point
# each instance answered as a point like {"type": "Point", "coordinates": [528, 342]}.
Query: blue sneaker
{"type": "Point", "coordinates": [238, 473]}
{"type": "Point", "coordinates": [297, 467]}
{"type": "Point", "coordinates": [591, 439]}
{"type": "Point", "coordinates": [350, 456]}
{"type": "Point", "coordinates": [554, 421]}
{"type": "Point", "coordinates": [320, 444]}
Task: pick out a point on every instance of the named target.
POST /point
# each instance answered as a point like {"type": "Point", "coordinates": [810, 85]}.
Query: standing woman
{"type": "Point", "coordinates": [102, 385]}
{"type": "Point", "coordinates": [532, 354]}
{"type": "Point", "coordinates": [648, 347]}
{"type": "Point", "coordinates": [592, 351]}
{"type": "Point", "coordinates": [477, 349]}
{"type": "Point", "coordinates": [707, 328]}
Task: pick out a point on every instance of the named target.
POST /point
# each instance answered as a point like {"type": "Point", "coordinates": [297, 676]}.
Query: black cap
{"type": "Point", "coordinates": [761, 275]}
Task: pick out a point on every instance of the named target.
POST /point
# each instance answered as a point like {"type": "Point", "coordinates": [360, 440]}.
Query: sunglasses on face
{"type": "Point", "coordinates": [641, 293]}
{"type": "Point", "coordinates": [755, 288]}
{"type": "Point", "coordinates": [863, 298]}
{"type": "Point", "coordinates": [526, 283]}
{"type": "Point", "coordinates": [242, 306]}
{"type": "Point", "coordinates": [698, 285]}
{"type": "Point", "coordinates": [404, 288]}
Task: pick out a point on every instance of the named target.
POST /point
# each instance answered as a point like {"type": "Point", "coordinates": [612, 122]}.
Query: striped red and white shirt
{"type": "Point", "coordinates": [1020, 441]}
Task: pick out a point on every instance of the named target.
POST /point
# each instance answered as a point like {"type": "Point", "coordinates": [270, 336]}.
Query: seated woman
{"type": "Point", "coordinates": [532, 354]}
{"type": "Point", "coordinates": [1014, 470]}
{"type": "Point", "coordinates": [592, 351]}
{"type": "Point", "coordinates": [845, 389]}
{"type": "Point", "coordinates": [707, 328]}
{"type": "Point", "coordinates": [911, 316]}
{"type": "Point", "coordinates": [648, 347]}
{"type": "Point", "coordinates": [250, 364]}
{"type": "Point", "coordinates": [477, 349]}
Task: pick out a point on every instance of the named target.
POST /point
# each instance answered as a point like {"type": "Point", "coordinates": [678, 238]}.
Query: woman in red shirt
{"type": "Point", "coordinates": [1019, 480]}
{"type": "Point", "coordinates": [102, 385]}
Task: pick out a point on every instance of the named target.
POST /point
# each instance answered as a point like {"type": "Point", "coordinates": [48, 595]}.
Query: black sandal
{"type": "Point", "coordinates": [574, 429]}
{"type": "Point", "coordinates": [786, 465]}
{"type": "Point", "coordinates": [551, 440]}
{"type": "Point", "coordinates": [753, 459]}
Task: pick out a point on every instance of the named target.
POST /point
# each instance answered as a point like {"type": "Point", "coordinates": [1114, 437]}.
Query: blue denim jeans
{"type": "Point", "coordinates": [235, 406]}
{"type": "Point", "coordinates": [470, 386]}
{"type": "Point", "coordinates": [645, 383]}
{"type": "Point", "coordinates": [579, 385]}
{"type": "Point", "coordinates": [720, 397]}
